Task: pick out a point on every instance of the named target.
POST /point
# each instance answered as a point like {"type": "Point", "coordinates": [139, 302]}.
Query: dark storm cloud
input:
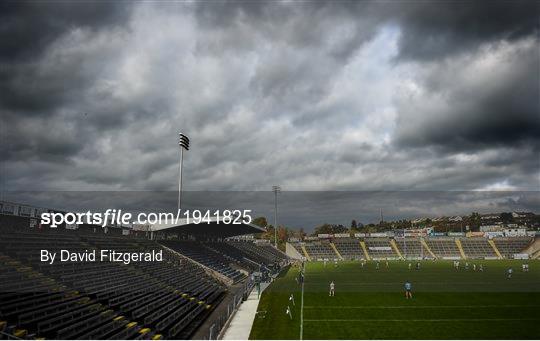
{"type": "Point", "coordinates": [27, 32]}
{"type": "Point", "coordinates": [29, 27]}
{"type": "Point", "coordinates": [430, 30]}
{"type": "Point", "coordinates": [33, 88]}
{"type": "Point", "coordinates": [498, 106]}
{"type": "Point", "coordinates": [42, 81]}
{"type": "Point", "coordinates": [434, 30]}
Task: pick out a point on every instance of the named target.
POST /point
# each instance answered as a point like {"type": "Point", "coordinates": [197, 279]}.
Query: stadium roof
{"type": "Point", "coordinates": [213, 228]}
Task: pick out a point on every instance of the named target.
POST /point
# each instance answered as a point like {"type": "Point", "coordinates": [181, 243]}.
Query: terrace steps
{"type": "Point", "coordinates": [534, 248]}
{"type": "Point", "coordinates": [396, 249]}
{"type": "Point", "coordinates": [336, 251]}
{"type": "Point", "coordinates": [306, 254]}
{"type": "Point", "coordinates": [364, 248]}
{"type": "Point", "coordinates": [460, 248]}
{"type": "Point", "coordinates": [492, 243]}
{"type": "Point", "coordinates": [425, 245]}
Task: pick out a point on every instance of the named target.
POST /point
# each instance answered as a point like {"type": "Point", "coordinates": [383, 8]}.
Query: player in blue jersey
{"type": "Point", "coordinates": [408, 290]}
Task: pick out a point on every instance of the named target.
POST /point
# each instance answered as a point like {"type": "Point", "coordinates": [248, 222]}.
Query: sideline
{"type": "Point", "coordinates": [241, 323]}
{"type": "Point", "coordinates": [421, 306]}
{"type": "Point", "coordinates": [423, 320]}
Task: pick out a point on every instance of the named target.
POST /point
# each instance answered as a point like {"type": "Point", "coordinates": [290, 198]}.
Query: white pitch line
{"type": "Point", "coordinates": [419, 320]}
{"type": "Point", "coordinates": [421, 307]}
{"type": "Point", "coordinates": [395, 283]}
{"type": "Point", "coordinates": [302, 310]}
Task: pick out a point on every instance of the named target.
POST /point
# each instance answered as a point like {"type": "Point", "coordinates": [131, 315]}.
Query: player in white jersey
{"type": "Point", "coordinates": [509, 273]}
{"type": "Point", "coordinates": [332, 288]}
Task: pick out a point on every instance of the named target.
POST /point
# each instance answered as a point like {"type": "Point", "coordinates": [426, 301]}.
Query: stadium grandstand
{"type": "Point", "coordinates": [320, 250]}
{"type": "Point", "coordinates": [296, 249]}
{"type": "Point", "coordinates": [349, 248]}
{"type": "Point", "coordinates": [200, 280]}
{"type": "Point", "coordinates": [479, 248]}
{"type": "Point", "coordinates": [510, 246]}
{"type": "Point", "coordinates": [444, 248]}
{"type": "Point", "coordinates": [381, 247]}
{"type": "Point", "coordinates": [411, 248]}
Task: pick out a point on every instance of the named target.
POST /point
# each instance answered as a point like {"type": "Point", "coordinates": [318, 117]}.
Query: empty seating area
{"type": "Point", "coordinates": [264, 254]}
{"type": "Point", "coordinates": [510, 246]}
{"type": "Point", "coordinates": [380, 248]}
{"type": "Point", "coordinates": [349, 248]}
{"type": "Point", "coordinates": [320, 250]}
{"type": "Point", "coordinates": [414, 248]}
{"type": "Point", "coordinates": [298, 247]}
{"type": "Point", "coordinates": [271, 252]}
{"type": "Point", "coordinates": [235, 255]}
{"type": "Point", "coordinates": [411, 248]}
{"type": "Point", "coordinates": [477, 248]}
{"type": "Point", "coordinates": [98, 300]}
{"type": "Point", "coordinates": [205, 256]}
{"type": "Point", "coordinates": [444, 247]}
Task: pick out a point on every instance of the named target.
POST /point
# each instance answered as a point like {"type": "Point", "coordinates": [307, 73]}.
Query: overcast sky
{"type": "Point", "coordinates": [384, 96]}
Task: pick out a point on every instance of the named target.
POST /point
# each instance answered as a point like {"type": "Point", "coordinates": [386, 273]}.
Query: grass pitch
{"type": "Point", "coordinates": [370, 303]}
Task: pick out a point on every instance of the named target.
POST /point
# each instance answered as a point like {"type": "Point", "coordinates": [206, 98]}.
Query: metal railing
{"type": "Point", "coordinates": [221, 321]}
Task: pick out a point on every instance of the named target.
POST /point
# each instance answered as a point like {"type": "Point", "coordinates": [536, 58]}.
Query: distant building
{"type": "Point", "coordinates": [515, 232]}
{"type": "Point", "coordinates": [418, 221]}
{"type": "Point", "coordinates": [491, 228]}
{"type": "Point", "coordinates": [521, 214]}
